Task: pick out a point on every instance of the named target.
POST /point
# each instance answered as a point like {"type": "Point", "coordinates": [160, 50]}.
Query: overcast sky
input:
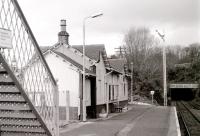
{"type": "Point", "coordinates": [180, 19]}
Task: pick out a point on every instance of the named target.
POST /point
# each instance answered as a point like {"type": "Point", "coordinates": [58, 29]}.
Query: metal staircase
{"type": "Point", "coordinates": [28, 91]}
{"type": "Point", "coordinates": [18, 117]}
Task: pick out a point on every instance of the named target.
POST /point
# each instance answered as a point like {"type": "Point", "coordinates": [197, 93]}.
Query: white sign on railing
{"type": "Point", "coordinates": [5, 38]}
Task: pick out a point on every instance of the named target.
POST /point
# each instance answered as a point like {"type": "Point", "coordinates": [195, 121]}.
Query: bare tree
{"type": "Point", "coordinates": [143, 51]}
{"type": "Point", "coordinates": [140, 49]}
{"type": "Point", "coordinates": [173, 54]}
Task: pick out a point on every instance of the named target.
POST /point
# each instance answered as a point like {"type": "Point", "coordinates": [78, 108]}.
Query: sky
{"type": "Point", "coordinates": [178, 19]}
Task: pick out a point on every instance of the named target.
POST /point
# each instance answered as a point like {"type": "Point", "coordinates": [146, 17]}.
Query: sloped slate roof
{"type": "Point", "coordinates": [92, 51]}
{"type": "Point", "coordinates": [73, 62]}
{"type": "Point", "coordinates": [117, 64]}
{"type": "Point", "coordinates": [46, 48]}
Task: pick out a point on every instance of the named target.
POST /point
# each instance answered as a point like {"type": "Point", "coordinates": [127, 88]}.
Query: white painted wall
{"type": "Point", "coordinates": [68, 80]}
{"type": "Point", "coordinates": [103, 83]}
{"type": "Point", "coordinates": [121, 93]}
{"type": "Point", "coordinates": [100, 87]}
{"type": "Point", "coordinates": [67, 77]}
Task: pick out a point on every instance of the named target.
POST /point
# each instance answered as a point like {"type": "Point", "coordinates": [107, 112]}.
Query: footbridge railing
{"type": "Point", "coordinates": [28, 64]}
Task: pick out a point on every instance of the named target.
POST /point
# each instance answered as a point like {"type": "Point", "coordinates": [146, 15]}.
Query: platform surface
{"type": "Point", "coordinates": [159, 121]}
{"type": "Point", "coordinates": [141, 120]}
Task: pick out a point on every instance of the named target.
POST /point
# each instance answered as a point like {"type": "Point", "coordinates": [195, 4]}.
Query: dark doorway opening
{"type": "Point", "coordinates": [91, 110]}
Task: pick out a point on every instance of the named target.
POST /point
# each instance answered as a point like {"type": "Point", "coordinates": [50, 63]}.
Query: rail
{"type": "Point", "coordinates": [185, 125]}
{"type": "Point", "coordinates": [27, 63]}
{"type": "Point", "coordinates": [195, 105]}
{"type": "Point", "coordinates": [191, 113]}
{"type": "Point", "coordinates": [190, 121]}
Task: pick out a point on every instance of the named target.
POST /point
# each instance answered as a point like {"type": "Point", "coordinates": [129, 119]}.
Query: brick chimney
{"type": "Point", "coordinates": [63, 36]}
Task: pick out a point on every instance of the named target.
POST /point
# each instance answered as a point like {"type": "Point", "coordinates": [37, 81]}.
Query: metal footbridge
{"type": "Point", "coordinates": [28, 91]}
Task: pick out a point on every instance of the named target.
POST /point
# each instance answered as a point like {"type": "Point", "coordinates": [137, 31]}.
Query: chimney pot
{"type": "Point", "coordinates": [63, 35]}
{"type": "Point", "coordinates": [63, 25]}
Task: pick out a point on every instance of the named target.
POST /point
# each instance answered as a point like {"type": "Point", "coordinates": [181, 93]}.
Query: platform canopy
{"type": "Point", "coordinates": [184, 86]}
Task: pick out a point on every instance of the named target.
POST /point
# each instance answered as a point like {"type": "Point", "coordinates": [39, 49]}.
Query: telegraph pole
{"type": "Point", "coordinates": [131, 82]}
{"type": "Point", "coordinates": [121, 51]}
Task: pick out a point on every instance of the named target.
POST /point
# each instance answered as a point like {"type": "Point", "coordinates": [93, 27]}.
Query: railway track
{"type": "Point", "coordinates": [188, 120]}
{"type": "Point", "coordinates": [195, 105]}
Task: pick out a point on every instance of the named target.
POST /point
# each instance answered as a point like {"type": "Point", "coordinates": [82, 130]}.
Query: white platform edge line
{"type": "Point", "coordinates": [177, 123]}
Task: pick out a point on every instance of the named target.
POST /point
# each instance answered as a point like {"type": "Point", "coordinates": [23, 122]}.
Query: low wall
{"type": "Point", "coordinates": [73, 113]}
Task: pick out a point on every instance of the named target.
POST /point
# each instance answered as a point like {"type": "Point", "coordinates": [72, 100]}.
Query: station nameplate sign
{"type": "Point", "coordinates": [184, 85]}
{"type": "Point", "coordinates": [5, 38]}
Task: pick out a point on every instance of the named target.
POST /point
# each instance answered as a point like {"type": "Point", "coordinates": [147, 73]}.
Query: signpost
{"type": "Point", "coordinates": [152, 93]}
{"type": "Point", "coordinates": [5, 38]}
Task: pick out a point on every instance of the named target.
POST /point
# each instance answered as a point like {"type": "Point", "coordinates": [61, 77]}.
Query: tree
{"type": "Point", "coordinates": [138, 42]}
{"type": "Point", "coordinates": [173, 55]}
{"type": "Point", "coordinates": [143, 51]}
{"type": "Point", "coordinates": [188, 66]}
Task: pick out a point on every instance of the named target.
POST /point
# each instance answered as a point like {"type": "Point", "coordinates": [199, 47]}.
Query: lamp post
{"type": "Point", "coordinates": [162, 36]}
{"type": "Point", "coordinates": [83, 102]}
